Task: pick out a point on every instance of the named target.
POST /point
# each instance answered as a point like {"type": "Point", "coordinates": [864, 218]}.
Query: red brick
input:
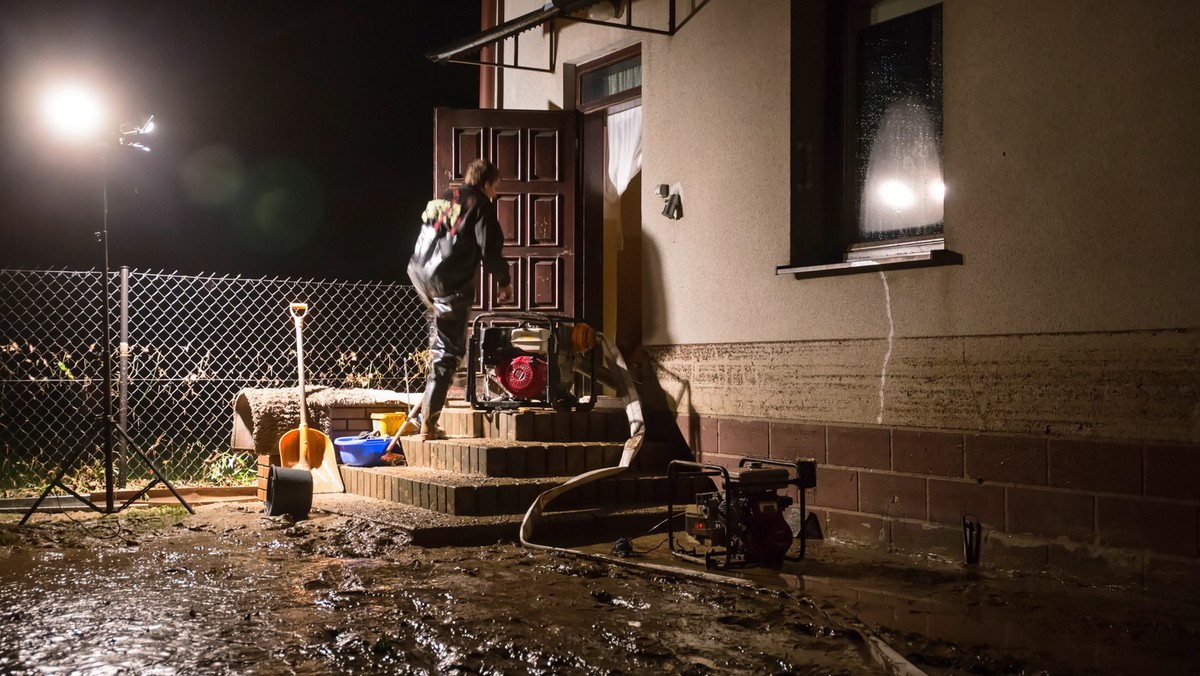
{"type": "Point", "coordinates": [859, 527]}
{"type": "Point", "coordinates": [689, 428]}
{"type": "Point", "coordinates": [743, 437]}
{"type": "Point", "coordinates": [892, 495]}
{"type": "Point", "coordinates": [934, 453]}
{"type": "Point", "coordinates": [1095, 466]}
{"type": "Point", "coordinates": [1173, 472]}
{"type": "Point", "coordinates": [1103, 565]}
{"type": "Point", "coordinates": [836, 488]}
{"type": "Point", "coordinates": [349, 412]}
{"type": "Point", "coordinates": [726, 461]}
{"type": "Point", "coordinates": [860, 447]}
{"type": "Point", "coordinates": [929, 538]}
{"type": "Point", "coordinates": [1014, 553]}
{"type": "Point", "coordinates": [1163, 527]}
{"type": "Point", "coordinates": [950, 500]}
{"type": "Point", "coordinates": [1177, 579]}
{"type": "Point", "coordinates": [706, 443]}
{"type": "Point", "coordinates": [792, 441]}
{"type": "Point", "coordinates": [1018, 460]}
{"type": "Point", "coordinates": [1051, 513]}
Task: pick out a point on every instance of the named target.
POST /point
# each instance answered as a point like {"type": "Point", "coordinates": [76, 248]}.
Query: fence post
{"type": "Point", "coordinates": [123, 377]}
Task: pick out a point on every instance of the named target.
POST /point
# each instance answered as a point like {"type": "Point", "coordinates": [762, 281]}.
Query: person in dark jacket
{"type": "Point", "coordinates": [457, 231]}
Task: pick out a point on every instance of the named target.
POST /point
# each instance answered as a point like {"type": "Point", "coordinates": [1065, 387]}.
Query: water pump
{"type": "Point", "coordinates": [744, 523]}
{"type": "Point", "coordinates": [529, 359]}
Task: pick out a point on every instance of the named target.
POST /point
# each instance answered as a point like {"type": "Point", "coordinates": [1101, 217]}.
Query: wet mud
{"type": "Point", "coordinates": [233, 591]}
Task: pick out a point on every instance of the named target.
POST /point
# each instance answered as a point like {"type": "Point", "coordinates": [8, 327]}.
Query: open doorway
{"type": "Point", "coordinates": [608, 95]}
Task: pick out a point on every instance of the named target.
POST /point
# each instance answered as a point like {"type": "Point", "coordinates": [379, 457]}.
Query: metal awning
{"type": "Point", "coordinates": [460, 50]}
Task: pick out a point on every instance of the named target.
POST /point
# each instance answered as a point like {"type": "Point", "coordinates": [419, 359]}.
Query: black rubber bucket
{"type": "Point", "coordinates": [289, 491]}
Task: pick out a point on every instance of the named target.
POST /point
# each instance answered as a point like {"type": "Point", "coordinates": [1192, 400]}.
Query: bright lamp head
{"type": "Point", "coordinates": [73, 112]}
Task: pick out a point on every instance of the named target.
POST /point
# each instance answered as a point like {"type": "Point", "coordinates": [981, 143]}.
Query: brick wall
{"type": "Point", "coordinates": [1129, 510]}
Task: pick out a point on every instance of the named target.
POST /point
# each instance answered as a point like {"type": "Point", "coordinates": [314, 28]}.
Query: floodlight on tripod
{"type": "Point", "coordinates": [76, 114]}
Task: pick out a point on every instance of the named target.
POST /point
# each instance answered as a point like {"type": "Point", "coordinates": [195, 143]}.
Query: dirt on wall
{"type": "Point", "coordinates": [1137, 386]}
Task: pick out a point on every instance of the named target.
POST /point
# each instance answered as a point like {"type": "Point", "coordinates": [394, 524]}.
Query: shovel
{"type": "Point", "coordinates": [305, 448]}
{"type": "Point", "coordinates": [407, 427]}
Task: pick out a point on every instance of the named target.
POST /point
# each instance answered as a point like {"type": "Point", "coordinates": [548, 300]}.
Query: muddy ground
{"type": "Point", "coordinates": [231, 591]}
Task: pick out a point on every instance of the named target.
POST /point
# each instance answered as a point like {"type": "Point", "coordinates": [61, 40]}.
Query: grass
{"type": "Point", "coordinates": [23, 475]}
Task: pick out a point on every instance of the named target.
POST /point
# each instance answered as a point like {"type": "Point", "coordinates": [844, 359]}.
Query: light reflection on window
{"type": "Point", "coordinates": [903, 188]}
{"type": "Point", "coordinates": [899, 124]}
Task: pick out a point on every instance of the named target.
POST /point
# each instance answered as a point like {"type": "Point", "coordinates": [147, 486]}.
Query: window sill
{"type": "Point", "coordinates": [924, 259]}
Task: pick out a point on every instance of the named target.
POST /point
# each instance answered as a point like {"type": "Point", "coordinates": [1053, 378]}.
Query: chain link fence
{"type": "Point", "coordinates": [193, 343]}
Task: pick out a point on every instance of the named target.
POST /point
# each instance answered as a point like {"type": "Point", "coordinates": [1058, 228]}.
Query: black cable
{"type": "Point", "coordinates": [91, 531]}
{"type": "Point", "coordinates": [624, 546]}
{"type": "Point", "coordinates": [664, 540]}
{"type": "Point", "coordinates": [660, 523]}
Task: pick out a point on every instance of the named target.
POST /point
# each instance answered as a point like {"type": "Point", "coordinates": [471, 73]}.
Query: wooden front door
{"type": "Point", "coordinates": [536, 203]}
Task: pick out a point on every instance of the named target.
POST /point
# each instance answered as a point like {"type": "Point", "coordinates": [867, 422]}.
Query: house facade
{"type": "Point", "coordinates": [1024, 351]}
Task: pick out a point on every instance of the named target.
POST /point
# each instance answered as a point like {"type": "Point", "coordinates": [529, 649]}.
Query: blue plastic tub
{"type": "Point", "coordinates": [358, 452]}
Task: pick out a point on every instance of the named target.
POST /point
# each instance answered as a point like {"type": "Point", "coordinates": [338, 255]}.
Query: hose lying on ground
{"type": "Point", "coordinates": [637, 433]}
{"type": "Point", "coordinates": [883, 654]}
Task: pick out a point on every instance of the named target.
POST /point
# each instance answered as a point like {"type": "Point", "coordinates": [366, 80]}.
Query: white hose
{"type": "Point", "coordinates": [637, 433]}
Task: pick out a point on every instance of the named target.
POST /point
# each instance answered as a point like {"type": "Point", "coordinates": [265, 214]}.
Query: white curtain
{"type": "Point", "coordinates": [624, 151]}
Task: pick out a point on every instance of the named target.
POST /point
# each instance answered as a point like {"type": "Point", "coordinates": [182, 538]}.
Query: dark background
{"type": "Point", "coordinates": [292, 138]}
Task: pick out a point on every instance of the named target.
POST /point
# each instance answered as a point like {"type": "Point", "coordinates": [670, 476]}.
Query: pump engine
{"type": "Point", "coordinates": [744, 523]}
{"type": "Point", "coordinates": [523, 359]}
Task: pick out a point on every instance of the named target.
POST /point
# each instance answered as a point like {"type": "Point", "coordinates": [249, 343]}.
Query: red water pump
{"type": "Point", "coordinates": [745, 523]}
{"type": "Point", "coordinates": [524, 375]}
{"type": "Point", "coordinates": [529, 359]}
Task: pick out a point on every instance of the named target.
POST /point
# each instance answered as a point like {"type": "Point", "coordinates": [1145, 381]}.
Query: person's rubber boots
{"type": "Point", "coordinates": [430, 429]}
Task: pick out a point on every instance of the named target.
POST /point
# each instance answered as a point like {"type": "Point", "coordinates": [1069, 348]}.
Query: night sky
{"type": "Point", "coordinates": [292, 138]}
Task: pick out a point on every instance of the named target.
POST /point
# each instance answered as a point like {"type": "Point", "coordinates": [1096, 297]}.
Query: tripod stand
{"type": "Point", "coordinates": [106, 364]}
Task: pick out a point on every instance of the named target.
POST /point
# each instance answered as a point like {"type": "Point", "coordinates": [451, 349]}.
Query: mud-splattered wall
{"type": "Point", "coordinates": [1141, 386]}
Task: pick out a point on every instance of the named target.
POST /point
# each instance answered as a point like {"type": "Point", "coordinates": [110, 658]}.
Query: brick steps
{"type": "Point", "coordinates": [503, 458]}
{"type": "Point", "coordinates": [452, 493]}
{"type": "Point", "coordinates": [608, 424]}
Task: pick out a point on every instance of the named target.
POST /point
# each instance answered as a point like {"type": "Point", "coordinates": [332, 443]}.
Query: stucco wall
{"type": "Point", "coordinates": [1071, 151]}
{"type": "Point", "coordinates": [1070, 161]}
